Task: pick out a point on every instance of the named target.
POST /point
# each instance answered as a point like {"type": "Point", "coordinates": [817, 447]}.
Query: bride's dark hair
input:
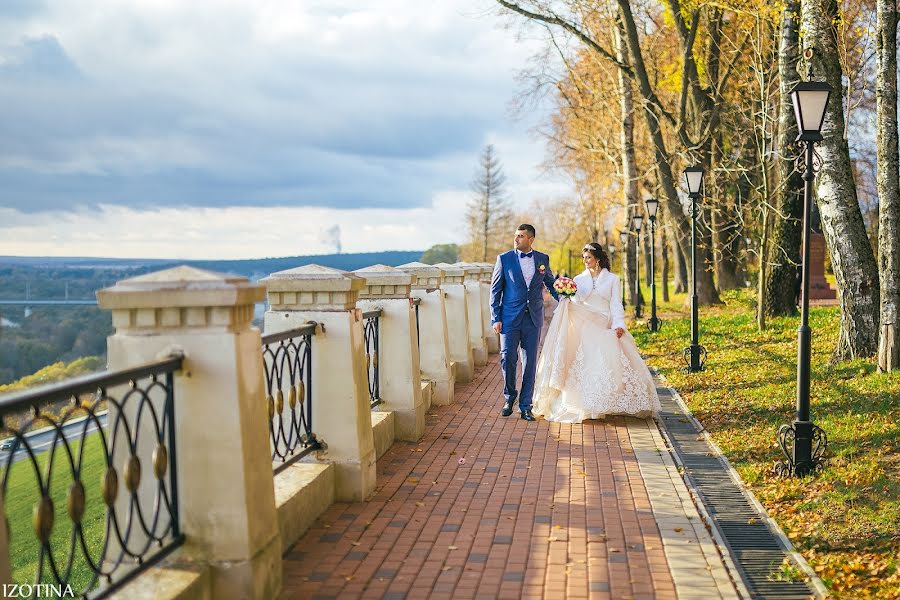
{"type": "Point", "coordinates": [599, 253]}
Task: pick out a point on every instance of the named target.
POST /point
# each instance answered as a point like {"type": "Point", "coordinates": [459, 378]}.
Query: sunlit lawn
{"type": "Point", "coordinates": [22, 495]}
{"type": "Point", "coordinates": [846, 520]}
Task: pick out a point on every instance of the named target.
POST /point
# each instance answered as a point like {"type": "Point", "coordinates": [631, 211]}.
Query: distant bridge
{"type": "Point", "coordinates": [47, 302]}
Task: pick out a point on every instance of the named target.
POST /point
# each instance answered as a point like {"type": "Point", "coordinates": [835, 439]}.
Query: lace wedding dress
{"type": "Point", "coordinates": [585, 371]}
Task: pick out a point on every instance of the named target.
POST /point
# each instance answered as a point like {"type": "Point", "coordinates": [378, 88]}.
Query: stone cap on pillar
{"type": "Point", "coordinates": [471, 270]}
{"type": "Point", "coordinates": [426, 277]}
{"type": "Point", "coordinates": [487, 271]}
{"type": "Point", "coordinates": [181, 297]}
{"type": "Point", "coordinates": [383, 281]}
{"type": "Point", "coordinates": [452, 273]}
{"type": "Point", "coordinates": [313, 287]}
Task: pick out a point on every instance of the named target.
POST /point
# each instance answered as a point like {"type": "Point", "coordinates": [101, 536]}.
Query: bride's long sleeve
{"type": "Point", "coordinates": [617, 311]}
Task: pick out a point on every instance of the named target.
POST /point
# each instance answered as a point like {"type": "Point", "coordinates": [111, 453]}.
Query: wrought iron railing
{"type": "Point", "coordinates": [371, 320]}
{"type": "Point", "coordinates": [416, 302]}
{"type": "Point", "coordinates": [287, 358]}
{"type": "Point", "coordinates": [89, 479]}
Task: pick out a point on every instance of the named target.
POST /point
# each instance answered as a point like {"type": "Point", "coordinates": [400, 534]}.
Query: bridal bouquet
{"type": "Point", "coordinates": [565, 287]}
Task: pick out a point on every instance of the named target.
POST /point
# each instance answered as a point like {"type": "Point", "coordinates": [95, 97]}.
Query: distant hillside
{"type": "Point", "coordinates": [348, 262]}
{"type": "Point", "coordinates": [55, 268]}
{"type": "Point", "coordinates": [34, 337]}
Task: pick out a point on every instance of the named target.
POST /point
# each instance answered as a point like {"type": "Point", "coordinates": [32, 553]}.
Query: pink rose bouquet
{"type": "Point", "coordinates": [565, 287]}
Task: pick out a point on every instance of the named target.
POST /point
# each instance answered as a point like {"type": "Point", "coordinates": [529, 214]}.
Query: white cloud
{"type": "Point", "coordinates": [208, 118]}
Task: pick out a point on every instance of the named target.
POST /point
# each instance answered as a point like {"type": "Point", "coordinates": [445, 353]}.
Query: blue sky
{"type": "Point", "coordinates": [241, 128]}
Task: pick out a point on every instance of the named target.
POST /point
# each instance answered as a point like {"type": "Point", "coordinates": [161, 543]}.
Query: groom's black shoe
{"type": "Point", "coordinates": [527, 416]}
{"type": "Point", "coordinates": [507, 408]}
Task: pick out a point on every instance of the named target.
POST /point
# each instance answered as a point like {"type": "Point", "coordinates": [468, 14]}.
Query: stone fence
{"type": "Point", "coordinates": [269, 431]}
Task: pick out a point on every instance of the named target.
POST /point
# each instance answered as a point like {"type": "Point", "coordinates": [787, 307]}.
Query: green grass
{"type": "Point", "coordinates": [845, 520]}
{"type": "Point", "coordinates": [22, 495]}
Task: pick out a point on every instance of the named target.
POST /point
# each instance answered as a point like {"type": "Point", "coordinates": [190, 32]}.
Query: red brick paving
{"type": "Point", "coordinates": [539, 510]}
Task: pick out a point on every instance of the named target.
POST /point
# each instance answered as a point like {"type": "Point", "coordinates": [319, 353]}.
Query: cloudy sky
{"type": "Point", "coordinates": [247, 128]}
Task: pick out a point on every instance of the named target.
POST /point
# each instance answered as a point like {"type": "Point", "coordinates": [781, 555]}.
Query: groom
{"type": "Point", "coordinates": [517, 314]}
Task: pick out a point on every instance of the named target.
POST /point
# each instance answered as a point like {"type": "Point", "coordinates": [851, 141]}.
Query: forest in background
{"type": "Point", "coordinates": [643, 90]}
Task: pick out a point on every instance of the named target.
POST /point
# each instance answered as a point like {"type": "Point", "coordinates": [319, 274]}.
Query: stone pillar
{"type": "Point", "coordinates": [224, 465]}
{"type": "Point", "coordinates": [818, 285]}
{"type": "Point", "coordinates": [341, 415]}
{"type": "Point", "coordinates": [434, 349]}
{"type": "Point", "coordinates": [493, 338]}
{"type": "Point", "coordinates": [477, 336]}
{"type": "Point", "coordinates": [388, 288]}
{"type": "Point", "coordinates": [457, 308]}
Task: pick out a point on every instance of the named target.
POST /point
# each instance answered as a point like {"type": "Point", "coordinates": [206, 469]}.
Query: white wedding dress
{"type": "Point", "coordinates": [585, 371]}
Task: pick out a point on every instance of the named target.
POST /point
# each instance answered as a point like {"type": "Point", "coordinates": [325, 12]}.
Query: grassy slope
{"type": "Point", "coordinates": [22, 494]}
{"type": "Point", "coordinates": [845, 521]}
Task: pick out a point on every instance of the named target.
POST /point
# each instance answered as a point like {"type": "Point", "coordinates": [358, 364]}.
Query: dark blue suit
{"type": "Point", "coordinates": [520, 309]}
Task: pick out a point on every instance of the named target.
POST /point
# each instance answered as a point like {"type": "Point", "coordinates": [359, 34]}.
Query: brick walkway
{"type": "Point", "coordinates": [537, 510]}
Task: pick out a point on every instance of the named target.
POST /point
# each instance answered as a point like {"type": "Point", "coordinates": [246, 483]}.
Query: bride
{"type": "Point", "coordinates": [590, 366]}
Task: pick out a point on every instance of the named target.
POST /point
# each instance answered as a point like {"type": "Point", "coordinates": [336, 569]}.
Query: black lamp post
{"type": "Point", "coordinates": [636, 221]}
{"type": "Point", "coordinates": [804, 443]}
{"type": "Point", "coordinates": [623, 239]}
{"type": "Point", "coordinates": [654, 323]}
{"type": "Point", "coordinates": [695, 354]}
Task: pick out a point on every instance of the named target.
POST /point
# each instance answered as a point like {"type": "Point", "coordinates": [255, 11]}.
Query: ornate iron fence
{"type": "Point", "coordinates": [371, 320]}
{"type": "Point", "coordinates": [79, 445]}
{"type": "Point", "coordinates": [287, 358]}
{"type": "Point", "coordinates": [416, 302]}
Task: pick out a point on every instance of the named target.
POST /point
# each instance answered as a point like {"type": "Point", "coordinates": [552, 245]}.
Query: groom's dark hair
{"type": "Point", "coordinates": [528, 228]}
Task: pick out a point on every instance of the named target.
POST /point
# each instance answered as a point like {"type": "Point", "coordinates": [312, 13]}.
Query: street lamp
{"type": "Point", "coordinates": [636, 221]}
{"type": "Point", "coordinates": [804, 443]}
{"type": "Point", "coordinates": [654, 323]}
{"type": "Point", "coordinates": [695, 354]}
{"type": "Point", "coordinates": [623, 239]}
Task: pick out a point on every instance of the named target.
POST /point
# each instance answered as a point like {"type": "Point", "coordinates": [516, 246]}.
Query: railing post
{"type": "Point", "coordinates": [340, 396]}
{"type": "Point", "coordinates": [477, 326]}
{"type": "Point", "coordinates": [434, 349]}
{"type": "Point", "coordinates": [5, 566]}
{"type": "Point", "coordinates": [388, 288]}
{"type": "Point", "coordinates": [492, 338]}
{"type": "Point", "coordinates": [457, 321]}
{"type": "Point", "coordinates": [224, 470]}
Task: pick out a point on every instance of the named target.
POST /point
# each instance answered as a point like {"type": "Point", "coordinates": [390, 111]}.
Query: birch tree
{"type": "Point", "coordinates": [887, 183]}
{"type": "Point", "coordinates": [851, 255]}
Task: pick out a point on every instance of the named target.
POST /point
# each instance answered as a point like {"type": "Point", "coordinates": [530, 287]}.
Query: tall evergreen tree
{"type": "Point", "coordinates": [489, 213]}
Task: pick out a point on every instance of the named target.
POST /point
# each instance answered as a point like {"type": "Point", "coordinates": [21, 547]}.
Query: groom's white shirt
{"type": "Point", "coordinates": [527, 265]}
{"type": "Point", "coordinates": [609, 286]}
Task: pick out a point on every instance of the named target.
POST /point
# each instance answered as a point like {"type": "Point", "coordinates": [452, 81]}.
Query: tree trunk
{"type": "Point", "coordinates": [664, 255]}
{"type": "Point", "coordinates": [842, 223]}
{"type": "Point", "coordinates": [631, 268]}
{"type": "Point", "coordinates": [645, 233]}
{"type": "Point", "coordinates": [787, 232]}
{"type": "Point", "coordinates": [629, 162]}
{"type": "Point", "coordinates": [706, 289]}
{"type": "Point", "coordinates": [888, 184]}
{"type": "Point", "coordinates": [681, 269]}
{"type": "Point", "coordinates": [726, 236]}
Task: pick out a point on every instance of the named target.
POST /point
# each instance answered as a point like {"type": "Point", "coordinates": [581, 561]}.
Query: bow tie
{"type": "Point", "coordinates": [526, 254]}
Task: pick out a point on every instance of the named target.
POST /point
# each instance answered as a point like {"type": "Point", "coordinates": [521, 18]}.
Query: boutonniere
{"type": "Point", "coordinates": [542, 269]}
